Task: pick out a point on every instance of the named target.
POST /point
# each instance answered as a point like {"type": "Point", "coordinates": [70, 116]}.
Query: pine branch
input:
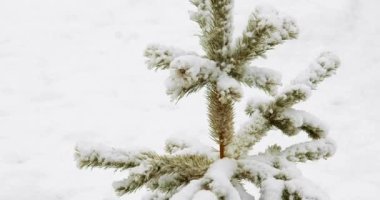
{"type": "Point", "coordinates": [265, 29]}
{"type": "Point", "coordinates": [267, 113]}
{"type": "Point", "coordinates": [186, 167]}
{"type": "Point", "coordinates": [250, 133]}
{"type": "Point", "coordinates": [313, 150]}
{"type": "Point", "coordinates": [217, 39]}
{"type": "Point", "coordinates": [292, 95]}
{"type": "Point", "coordinates": [323, 67]}
{"type": "Point", "coordinates": [160, 57]}
{"type": "Point", "coordinates": [262, 78]}
{"type": "Point", "coordinates": [291, 121]}
{"type": "Point", "coordinates": [105, 157]}
{"type": "Point", "coordinates": [203, 14]}
{"type": "Point", "coordinates": [255, 171]}
{"type": "Point", "coordinates": [277, 177]}
{"type": "Point", "coordinates": [188, 74]}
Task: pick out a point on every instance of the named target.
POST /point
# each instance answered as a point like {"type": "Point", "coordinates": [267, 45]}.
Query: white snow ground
{"type": "Point", "coordinates": [73, 71]}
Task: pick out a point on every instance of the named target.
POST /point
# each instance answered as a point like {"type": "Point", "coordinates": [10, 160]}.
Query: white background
{"type": "Point", "coordinates": [73, 70]}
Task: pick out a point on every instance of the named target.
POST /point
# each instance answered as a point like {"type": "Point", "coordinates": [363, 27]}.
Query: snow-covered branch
{"type": "Point", "coordinates": [291, 121]}
{"type": "Point", "coordinates": [249, 134]}
{"type": "Point", "coordinates": [203, 15]}
{"type": "Point", "coordinates": [266, 28]}
{"type": "Point", "coordinates": [215, 20]}
{"type": "Point", "coordinates": [278, 178]}
{"type": "Point", "coordinates": [160, 57]}
{"type": "Point", "coordinates": [106, 157]}
{"type": "Point", "coordinates": [228, 88]}
{"type": "Point", "coordinates": [219, 177]}
{"type": "Point", "coordinates": [164, 173]}
{"type": "Point", "coordinates": [313, 150]}
{"type": "Point", "coordinates": [323, 67]}
{"type": "Point", "coordinates": [188, 74]}
{"type": "Point", "coordinates": [255, 171]}
{"type": "Point", "coordinates": [291, 95]}
{"type": "Point", "coordinates": [265, 113]}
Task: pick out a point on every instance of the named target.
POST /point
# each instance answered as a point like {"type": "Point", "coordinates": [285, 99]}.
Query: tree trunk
{"type": "Point", "coordinates": [221, 117]}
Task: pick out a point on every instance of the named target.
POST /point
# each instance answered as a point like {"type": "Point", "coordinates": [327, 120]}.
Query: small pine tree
{"type": "Point", "coordinates": [190, 171]}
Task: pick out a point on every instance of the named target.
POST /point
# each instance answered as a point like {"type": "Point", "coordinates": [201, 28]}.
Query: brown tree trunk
{"type": "Point", "coordinates": [221, 117]}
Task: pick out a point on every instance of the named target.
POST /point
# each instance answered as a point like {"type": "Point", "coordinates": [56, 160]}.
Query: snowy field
{"type": "Point", "coordinates": [73, 71]}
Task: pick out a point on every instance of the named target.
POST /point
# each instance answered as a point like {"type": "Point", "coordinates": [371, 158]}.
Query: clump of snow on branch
{"type": "Point", "coordinates": [266, 79]}
{"type": "Point", "coordinates": [284, 25]}
{"type": "Point", "coordinates": [187, 192]}
{"type": "Point", "coordinates": [220, 174]}
{"type": "Point", "coordinates": [186, 146]}
{"type": "Point", "coordinates": [229, 88]}
{"type": "Point", "coordinates": [292, 94]}
{"type": "Point", "coordinates": [186, 72]}
{"type": "Point", "coordinates": [259, 103]}
{"type": "Point", "coordinates": [102, 156]}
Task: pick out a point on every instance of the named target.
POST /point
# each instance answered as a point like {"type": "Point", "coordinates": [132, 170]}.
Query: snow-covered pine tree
{"type": "Point", "coordinates": [190, 171]}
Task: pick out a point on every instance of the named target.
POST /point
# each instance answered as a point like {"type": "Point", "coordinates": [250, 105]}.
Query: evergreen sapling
{"type": "Point", "coordinates": [190, 171]}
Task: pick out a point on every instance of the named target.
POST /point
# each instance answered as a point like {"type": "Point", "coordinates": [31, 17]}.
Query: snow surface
{"type": "Point", "coordinates": [74, 71]}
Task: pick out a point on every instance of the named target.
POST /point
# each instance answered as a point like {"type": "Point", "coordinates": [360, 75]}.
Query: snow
{"type": "Point", "coordinates": [204, 194]}
{"type": "Point", "coordinates": [220, 174]}
{"type": "Point", "coordinates": [188, 192]}
{"type": "Point", "coordinates": [74, 71]}
{"type": "Point", "coordinates": [306, 189]}
{"type": "Point", "coordinates": [243, 193]}
{"type": "Point", "coordinates": [271, 189]}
